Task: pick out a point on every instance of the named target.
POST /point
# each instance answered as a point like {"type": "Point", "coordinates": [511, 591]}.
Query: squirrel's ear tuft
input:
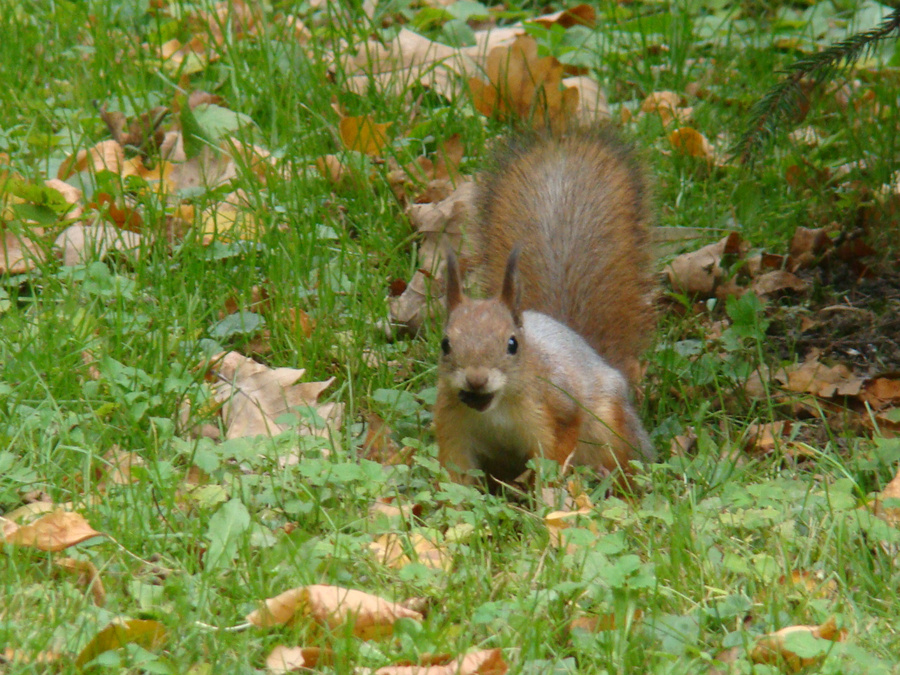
{"type": "Point", "coordinates": [510, 295]}
{"type": "Point", "coordinates": [452, 285]}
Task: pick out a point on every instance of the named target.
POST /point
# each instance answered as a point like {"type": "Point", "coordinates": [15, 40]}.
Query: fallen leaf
{"type": "Point", "coordinates": [254, 396]}
{"type": "Point", "coordinates": [81, 244]}
{"type": "Point", "coordinates": [55, 531]}
{"type": "Point", "coordinates": [147, 634]}
{"type": "Point", "coordinates": [104, 156]}
{"type": "Point", "coordinates": [775, 648]}
{"type": "Point", "coordinates": [19, 254]}
{"type": "Point", "coordinates": [362, 134]}
{"type": "Point", "coordinates": [813, 377]}
{"type": "Point", "coordinates": [523, 87]}
{"type": "Point", "coordinates": [88, 576]}
{"type": "Point", "coordinates": [333, 607]}
{"type": "Point", "coordinates": [891, 491]}
{"type": "Point", "coordinates": [701, 272]}
{"type": "Point", "coordinates": [691, 142]}
{"type": "Point", "coordinates": [484, 662]}
{"type": "Point", "coordinates": [776, 281]}
{"type": "Point", "coordinates": [666, 105]}
{"type": "Point", "coordinates": [289, 659]}
{"type": "Point", "coordinates": [763, 439]}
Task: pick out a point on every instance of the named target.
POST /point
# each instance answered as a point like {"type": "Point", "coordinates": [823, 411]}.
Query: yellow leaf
{"type": "Point", "coordinates": [362, 134]}
{"type": "Point", "coordinates": [147, 634]}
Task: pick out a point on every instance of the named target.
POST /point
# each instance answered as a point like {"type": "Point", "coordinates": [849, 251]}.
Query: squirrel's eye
{"type": "Point", "coordinates": [445, 346]}
{"type": "Point", "coordinates": [512, 345]}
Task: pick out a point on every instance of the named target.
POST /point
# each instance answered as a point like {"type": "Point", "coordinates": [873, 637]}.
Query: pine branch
{"type": "Point", "coordinates": [784, 99]}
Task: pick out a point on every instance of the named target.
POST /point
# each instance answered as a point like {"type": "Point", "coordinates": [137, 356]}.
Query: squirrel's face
{"type": "Point", "coordinates": [481, 350]}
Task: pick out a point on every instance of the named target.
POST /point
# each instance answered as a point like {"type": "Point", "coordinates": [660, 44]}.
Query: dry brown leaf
{"type": "Point", "coordinates": [813, 377]}
{"type": "Point", "coordinates": [891, 491]}
{"type": "Point", "coordinates": [378, 445]}
{"type": "Point", "coordinates": [105, 156]}
{"type": "Point", "coordinates": [598, 624]}
{"type": "Point", "coordinates": [593, 107]}
{"type": "Point", "coordinates": [689, 141]}
{"type": "Point", "coordinates": [87, 576]}
{"type": "Point", "coordinates": [363, 134]}
{"type": "Point", "coordinates": [333, 607]}
{"type": "Point", "coordinates": [773, 649]}
{"type": "Point", "coordinates": [441, 225]}
{"type": "Point", "coordinates": [253, 396]}
{"type": "Point", "coordinates": [580, 15]}
{"type": "Point", "coordinates": [484, 662]}
{"type": "Point", "coordinates": [700, 272]}
{"type": "Point", "coordinates": [289, 659]}
{"type": "Point", "coordinates": [776, 281]}
{"type": "Point", "coordinates": [80, 244]}
{"type": "Point", "coordinates": [53, 532]}
{"type": "Point", "coordinates": [70, 193]}
{"type": "Point", "coordinates": [390, 550]}
{"type": "Point", "coordinates": [667, 105]}
{"type": "Point", "coordinates": [19, 254]}
{"type": "Point", "coordinates": [387, 507]}
{"type": "Point", "coordinates": [119, 464]}
{"type": "Point", "coordinates": [763, 439]}
{"type": "Point", "coordinates": [522, 86]}
{"type": "Point", "coordinates": [881, 392]}
{"type": "Point", "coordinates": [209, 169]}
{"type": "Point", "coordinates": [812, 583]}
{"type": "Point", "coordinates": [684, 444]}
{"type": "Point", "coordinates": [231, 219]}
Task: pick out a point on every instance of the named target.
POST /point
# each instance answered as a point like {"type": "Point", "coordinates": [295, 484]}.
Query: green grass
{"type": "Point", "coordinates": [700, 554]}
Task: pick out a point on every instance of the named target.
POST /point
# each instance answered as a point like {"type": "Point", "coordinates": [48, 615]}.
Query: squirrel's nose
{"type": "Point", "coordinates": [476, 378]}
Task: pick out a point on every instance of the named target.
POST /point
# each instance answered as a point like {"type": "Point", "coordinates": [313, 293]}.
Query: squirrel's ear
{"type": "Point", "coordinates": [452, 286]}
{"type": "Point", "coordinates": [510, 295]}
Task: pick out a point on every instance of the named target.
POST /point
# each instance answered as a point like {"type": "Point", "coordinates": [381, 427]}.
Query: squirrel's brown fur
{"type": "Point", "coordinates": [580, 208]}
{"type": "Point", "coordinates": [544, 366]}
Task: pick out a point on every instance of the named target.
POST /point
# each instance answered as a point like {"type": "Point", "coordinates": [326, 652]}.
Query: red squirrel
{"type": "Point", "coordinates": [544, 366]}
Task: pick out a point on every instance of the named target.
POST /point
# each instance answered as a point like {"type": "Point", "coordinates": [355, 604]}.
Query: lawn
{"type": "Point", "coordinates": [217, 370]}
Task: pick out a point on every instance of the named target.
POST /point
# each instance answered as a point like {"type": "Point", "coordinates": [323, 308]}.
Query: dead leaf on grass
{"type": "Point", "coordinates": [484, 662]}
{"type": "Point", "coordinates": [80, 244]}
{"type": "Point", "coordinates": [813, 377]}
{"type": "Point", "coordinates": [667, 106]}
{"type": "Point", "coordinates": [106, 155]}
{"type": "Point", "coordinates": [441, 225]}
{"type": "Point", "coordinates": [523, 87]}
{"type": "Point", "coordinates": [333, 607]}
{"type": "Point", "coordinates": [254, 396]}
{"type": "Point", "coordinates": [776, 281]}
{"type": "Point", "coordinates": [763, 439]}
{"type": "Point", "coordinates": [604, 622]}
{"type": "Point", "coordinates": [88, 576]}
{"type": "Point", "coordinates": [148, 634]}
{"type": "Point", "coordinates": [701, 272]}
{"type": "Point", "coordinates": [53, 532]}
{"type": "Point", "coordinates": [775, 648]}
{"type": "Point", "coordinates": [891, 514]}
{"type": "Point", "coordinates": [20, 254]}
{"type": "Point", "coordinates": [290, 659]}
{"type": "Point", "coordinates": [689, 141]}
{"type": "Point", "coordinates": [391, 550]}
{"type": "Point", "coordinates": [363, 134]}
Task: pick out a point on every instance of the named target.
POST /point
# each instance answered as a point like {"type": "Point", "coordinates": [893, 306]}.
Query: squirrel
{"type": "Point", "coordinates": [544, 367]}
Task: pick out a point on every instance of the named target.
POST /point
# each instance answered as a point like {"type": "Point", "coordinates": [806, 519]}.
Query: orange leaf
{"type": "Point", "coordinates": [333, 607]}
{"type": "Point", "coordinates": [364, 135]}
{"type": "Point", "coordinates": [54, 532]}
